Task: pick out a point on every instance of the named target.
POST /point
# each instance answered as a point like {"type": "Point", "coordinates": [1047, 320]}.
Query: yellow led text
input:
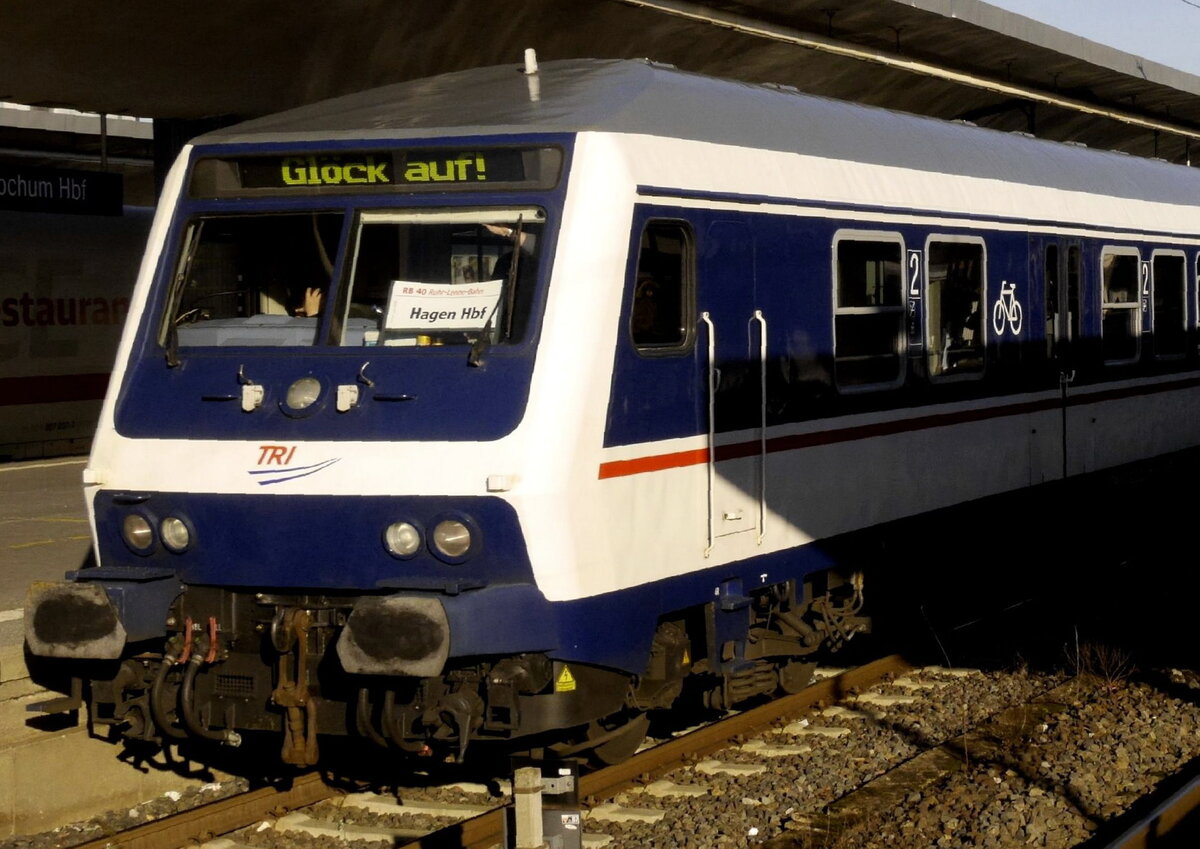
{"type": "Point", "coordinates": [307, 171]}
{"type": "Point", "coordinates": [468, 167]}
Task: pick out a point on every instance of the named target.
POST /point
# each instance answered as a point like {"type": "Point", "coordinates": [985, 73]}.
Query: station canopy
{"type": "Point", "coordinates": [955, 59]}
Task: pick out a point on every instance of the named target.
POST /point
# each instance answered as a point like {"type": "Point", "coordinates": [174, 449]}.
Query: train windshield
{"type": "Point", "coordinates": [252, 280]}
{"type": "Point", "coordinates": [442, 278]}
{"type": "Point", "coordinates": [413, 279]}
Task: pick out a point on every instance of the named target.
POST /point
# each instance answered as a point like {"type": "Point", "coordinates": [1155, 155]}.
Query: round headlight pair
{"type": "Point", "coordinates": [402, 539]}
{"type": "Point", "coordinates": [138, 533]}
{"type": "Point", "coordinates": [451, 539]}
{"type": "Point", "coordinates": [176, 535]}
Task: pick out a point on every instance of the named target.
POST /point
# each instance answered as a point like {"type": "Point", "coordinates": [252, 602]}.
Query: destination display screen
{"type": "Point", "coordinates": [403, 170]}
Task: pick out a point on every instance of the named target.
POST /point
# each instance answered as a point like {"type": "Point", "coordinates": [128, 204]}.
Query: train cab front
{"type": "Point", "coordinates": [411, 622]}
{"type": "Point", "coordinates": [300, 494]}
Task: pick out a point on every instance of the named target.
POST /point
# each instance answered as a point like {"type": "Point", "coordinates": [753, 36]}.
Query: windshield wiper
{"type": "Point", "coordinates": [480, 345]}
{"type": "Point", "coordinates": [171, 343]}
{"type": "Point", "coordinates": [510, 293]}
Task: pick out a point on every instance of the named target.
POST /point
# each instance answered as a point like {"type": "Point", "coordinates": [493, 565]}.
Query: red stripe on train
{"type": "Point", "coordinates": [659, 462]}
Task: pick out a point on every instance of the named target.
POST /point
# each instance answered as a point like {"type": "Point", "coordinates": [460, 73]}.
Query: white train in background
{"type": "Point", "coordinates": [65, 285]}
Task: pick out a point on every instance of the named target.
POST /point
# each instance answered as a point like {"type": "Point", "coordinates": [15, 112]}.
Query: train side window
{"type": "Point", "coordinates": [1074, 285]}
{"type": "Point", "coordinates": [869, 319]}
{"type": "Point", "coordinates": [1050, 276]}
{"type": "Point", "coordinates": [1120, 326]}
{"type": "Point", "coordinates": [1170, 305]}
{"type": "Point", "coordinates": [954, 324]}
{"type": "Point", "coordinates": [659, 320]}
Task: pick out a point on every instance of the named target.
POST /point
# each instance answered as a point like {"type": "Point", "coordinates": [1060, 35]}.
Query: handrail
{"type": "Point", "coordinates": [712, 424]}
{"type": "Point", "coordinates": [762, 427]}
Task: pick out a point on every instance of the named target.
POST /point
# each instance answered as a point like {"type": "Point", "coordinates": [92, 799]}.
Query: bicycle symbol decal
{"type": "Point", "coordinates": [1007, 311]}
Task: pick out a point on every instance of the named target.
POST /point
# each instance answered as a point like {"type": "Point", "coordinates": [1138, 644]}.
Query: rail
{"type": "Point", "coordinates": [220, 817]}
{"type": "Point", "coordinates": [487, 830]}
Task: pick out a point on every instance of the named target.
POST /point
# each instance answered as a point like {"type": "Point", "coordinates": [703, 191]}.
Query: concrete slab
{"type": "Point", "coordinates": [382, 805]}
{"type": "Point", "coordinates": [223, 843]}
{"type": "Point", "coordinates": [476, 788]}
{"type": "Point", "coordinates": [15, 729]}
{"type": "Point", "coordinates": [48, 779]}
{"type": "Point", "coordinates": [805, 730]}
{"type": "Point", "coordinates": [611, 812]}
{"type": "Point", "coordinates": [907, 683]}
{"type": "Point", "coordinates": [952, 671]}
{"type": "Point", "coordinates": [823, 672]}
{"type": "Point", "coordinates": [304, 824]}
{"type": "Point", "coordinates": [12, 663]}
{"type": "Point", "coordinates": [594, 841]}
{"type": "Point", "coordinates": [715, 767]}
{"type": "Point", "coordinates": [21, 687]}
{"type": "Point", "coordinates": [841, 712]}
{"type": "Point", "coordinates": [775, 750]}
{"type": "Point", "coordinates": [663, 788]}
{"type": "Point", "coordinates": [883, 699]}
{"type": "Point", "coordinates": [52, 777]}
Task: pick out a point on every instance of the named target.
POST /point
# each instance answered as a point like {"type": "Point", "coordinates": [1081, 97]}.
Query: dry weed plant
{"type": "Point", "coordinates": [1105, 669]}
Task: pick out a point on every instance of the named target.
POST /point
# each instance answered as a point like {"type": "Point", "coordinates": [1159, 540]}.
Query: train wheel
{"type": "Point", "coordinates": [619, 743]}
{"type": "Point", "coordinates": [794, 676]}
{"type": "Point", "coordinates": [608, 741]}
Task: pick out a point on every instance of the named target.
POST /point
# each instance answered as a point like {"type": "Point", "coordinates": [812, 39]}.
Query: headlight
{"type": "Point", "coordinates": [137, 533]}
{"type": "Point", "coordinates": [175, 534]}
{"type": "Point", "coordinates": [451, 538]}
{"type": "Point", "coordinates": [303, 393]}
{"type": "Point", "coordinates": [402, 539]}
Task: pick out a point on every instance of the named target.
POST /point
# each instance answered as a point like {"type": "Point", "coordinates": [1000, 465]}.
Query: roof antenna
{"type": "Point", "coordinates": [531, 75]}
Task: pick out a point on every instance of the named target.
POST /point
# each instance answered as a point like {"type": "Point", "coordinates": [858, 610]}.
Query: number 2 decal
{"type": "Point", "coordinates": [1145, 273]}
{"type": "Point", "coordinates": [914, 302]}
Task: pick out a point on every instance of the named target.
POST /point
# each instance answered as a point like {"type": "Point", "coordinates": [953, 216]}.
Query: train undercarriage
{"type": "Point", "coordinates": [238, 663]}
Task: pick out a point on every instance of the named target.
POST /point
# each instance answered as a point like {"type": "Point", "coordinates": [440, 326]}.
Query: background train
{"type": "Point", "coordinates": [501, 406]}
{"type": "Point", "coordinates": [65, 285]}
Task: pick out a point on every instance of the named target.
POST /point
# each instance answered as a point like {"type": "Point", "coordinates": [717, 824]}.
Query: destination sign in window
{"type": "Point", "coordinates": [437, 169]}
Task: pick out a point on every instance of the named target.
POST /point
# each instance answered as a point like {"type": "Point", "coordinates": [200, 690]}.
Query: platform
{"type": "Point", "coordinates": [43, 532]}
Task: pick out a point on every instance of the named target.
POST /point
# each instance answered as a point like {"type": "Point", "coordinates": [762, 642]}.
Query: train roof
{"type": "Point", "coordinates": [644, 97]}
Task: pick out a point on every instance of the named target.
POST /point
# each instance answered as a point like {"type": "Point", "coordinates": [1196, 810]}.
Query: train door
{"type": "Point", "coordinates": [731, 363]}
{"type": "Point", "coordinates": [1062, 276]}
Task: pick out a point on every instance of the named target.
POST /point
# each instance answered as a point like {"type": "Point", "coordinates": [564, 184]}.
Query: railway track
{"type": "Point", "coordinates": [740, 781]}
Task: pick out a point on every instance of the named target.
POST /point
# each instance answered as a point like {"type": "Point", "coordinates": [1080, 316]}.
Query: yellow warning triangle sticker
{"type": "Point", "coordinates": [565, 683]}
{"type": "Point", "coordinates": [687, 657]}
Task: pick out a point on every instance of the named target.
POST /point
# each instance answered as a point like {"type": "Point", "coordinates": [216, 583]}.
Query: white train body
{"type": "Point", "coordinates": [735, 328]}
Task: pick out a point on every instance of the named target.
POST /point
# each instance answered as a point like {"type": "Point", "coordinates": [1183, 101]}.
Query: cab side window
{"type": "Point", "coordinates": [660, 319]}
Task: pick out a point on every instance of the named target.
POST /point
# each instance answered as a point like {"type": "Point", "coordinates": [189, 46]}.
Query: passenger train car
{"type": "Point", "coordinates": [500, 406]}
